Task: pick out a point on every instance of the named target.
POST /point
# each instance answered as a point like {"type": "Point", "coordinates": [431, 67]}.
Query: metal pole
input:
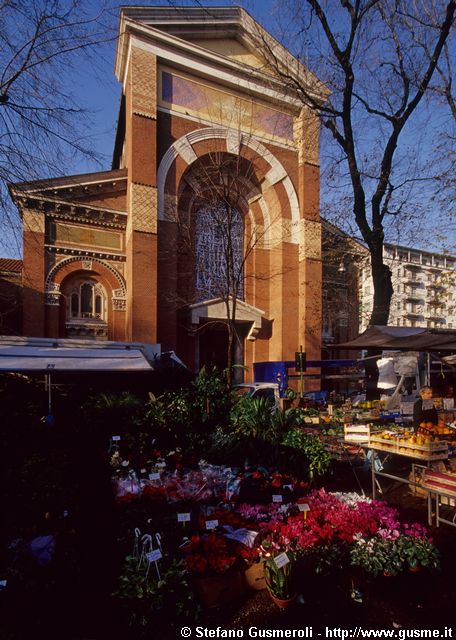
{"type": "Point", "coordinates": [48, 381]}
{"type": "Point", "coordinates": [301, 371]}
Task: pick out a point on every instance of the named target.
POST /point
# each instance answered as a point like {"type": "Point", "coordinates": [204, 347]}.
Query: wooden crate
{"type": "Point", "coordinates": [358, 433]}
{"type": "Point", "coordinates": [429, 451]}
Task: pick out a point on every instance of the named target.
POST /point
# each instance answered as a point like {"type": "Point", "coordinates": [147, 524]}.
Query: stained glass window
{"type": "Point", "coordinates": [219, 248]}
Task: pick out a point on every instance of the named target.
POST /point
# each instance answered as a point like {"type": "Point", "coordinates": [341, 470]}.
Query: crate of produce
{"type": "Point", "coordinates": [359, 433]}
{"type": "Point", "coordinates": [410, 446]}
{"type": "Point", "coordinates": [423, 450]}
{"type": "Point", "coordinates": [383, 442]}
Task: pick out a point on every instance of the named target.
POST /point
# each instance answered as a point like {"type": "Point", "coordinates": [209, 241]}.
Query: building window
{"type": "Point", "coordinates": [450, 325]}
{"type": "Point", "coordinates": [219, 231]}
{"type": "Point", "coordinates": [87, 301]}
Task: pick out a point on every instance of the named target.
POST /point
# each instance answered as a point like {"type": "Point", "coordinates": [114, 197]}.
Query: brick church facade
{"type": "Point", "coordinates": [122, 254]}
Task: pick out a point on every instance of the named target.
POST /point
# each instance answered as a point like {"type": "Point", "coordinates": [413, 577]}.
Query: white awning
{"type": "Point", "coordinates": [48, 359]}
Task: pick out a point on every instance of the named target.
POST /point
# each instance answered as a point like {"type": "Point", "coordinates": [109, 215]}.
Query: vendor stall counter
{"type": "Point", "coordinates": [425, 453]}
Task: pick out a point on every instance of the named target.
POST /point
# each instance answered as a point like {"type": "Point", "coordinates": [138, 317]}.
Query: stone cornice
{"type": "Point", "coordinates": [85, 253]}
{"type": "Point", "coordinates": [73, 211]}
{"type": "Point", "coordinates": [184, 24]}
{"type": "Point", "coordinates": [180, 52]}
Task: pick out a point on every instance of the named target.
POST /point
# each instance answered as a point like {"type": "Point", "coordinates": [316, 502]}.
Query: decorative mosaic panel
{"type": "Point", "coordinates": [225, 108]}
{"type": "Point", "coordinates": [86, 236]}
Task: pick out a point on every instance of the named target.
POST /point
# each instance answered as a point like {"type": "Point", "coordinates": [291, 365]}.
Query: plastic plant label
{"type": "Point", "coordinates": [288, 486]}
{"type": "Point", "coordinates": [154, 476]}
{"type": "Point", "coordinates": [277, 498]}
{"type": "Point", "coordinates": [281, 560]}
{"type": "Point", "coordinates": [303, 507]}
{"type": "Point", "coordinates": [211, 524]}
{"type": "Point", "coordinates": [115, 438]}
{"type": "Point", "coordinates": [183, 517]}
{"type": "Point", "coordinates": [153, 556]}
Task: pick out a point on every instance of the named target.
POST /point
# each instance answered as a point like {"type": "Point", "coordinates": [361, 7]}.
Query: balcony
{"type": "Point", "coordinates": [414, 295]}
{"type": "Point", "coordinates": [414, 314]}
{"type": "Point", "coordinates": [86, 328]}
{"type": "Point", "coordinates": [436, 315]}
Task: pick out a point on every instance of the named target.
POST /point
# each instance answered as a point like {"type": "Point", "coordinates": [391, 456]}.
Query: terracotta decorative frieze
{"type": "Point", "coordinates": [310, 240]}
{"type": "Point", "coordinates": [144, 82]}
{"type": "Point", "coordinates": [119, 304]}
{"type": "Point", "coordinates": [143, 210]}
{"type": "Point", "coordinates": [33, 221]}
{"type": "Point", "coordinates": [308, 137]}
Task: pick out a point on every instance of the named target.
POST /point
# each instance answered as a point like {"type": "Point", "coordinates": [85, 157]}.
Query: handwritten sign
{"type": "Point", "coordinates": [183, 517]}
{"type": "Point", "coordinates": [303, 507]}
{"type": "Point", "coordinates": [211, 524]}
{"type": "Point", "coordinates": [154, 555]}
{"type": "Point", "coordinates": [277, 498]}
{"type": "Point", "coordinates": [154, 476]}
{"type": "Point", "coordinates": [115, 438]}
{"type": "Point", "coordinates": [281, 560]}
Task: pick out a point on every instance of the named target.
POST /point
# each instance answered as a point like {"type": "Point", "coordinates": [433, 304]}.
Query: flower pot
{"type": "Point", "coordinates": [388, 574]}
{"type": "Point", "coordinates": [216, 591]}
{"type": "Point", "coordinates": [415, 569]}
{"type": "Point", "coordinates": [254, 577]}
{"type": "Point", "coordinates": [283, 604]}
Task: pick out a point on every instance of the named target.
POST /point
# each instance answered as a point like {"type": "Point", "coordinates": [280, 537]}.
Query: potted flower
{"type": "Point", "coordinates": [380, 554]}
{"type": "Point", "coordinates": [211, 562]}
{"type": "Point", "coordinates": [277, 559]}
{"type": "Point", "coordinates": [418, 549]}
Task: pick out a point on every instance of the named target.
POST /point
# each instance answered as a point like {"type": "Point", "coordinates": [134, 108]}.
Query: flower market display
{"type": "Point", "coordinates": [196, 506]}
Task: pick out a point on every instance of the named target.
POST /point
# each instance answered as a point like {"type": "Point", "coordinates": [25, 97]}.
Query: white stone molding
{"type": "Point", "coordinates": [185, 150]}
{"type": "Point", "coordinates": [277, 170]}
{"type": "Point", "coordinates": [50, 284]}
{"type": "Point", "coordinates": [215, 309]}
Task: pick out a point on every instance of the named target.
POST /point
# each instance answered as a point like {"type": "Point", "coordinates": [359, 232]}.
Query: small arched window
{"type": "Point", "coordinates": [87, 301]}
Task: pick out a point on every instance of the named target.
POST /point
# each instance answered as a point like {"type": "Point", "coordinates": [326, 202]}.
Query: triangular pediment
{"type": "Point", "coordinates": [234, 50]}
{"type": "Point", "coordinates": [215, 309]}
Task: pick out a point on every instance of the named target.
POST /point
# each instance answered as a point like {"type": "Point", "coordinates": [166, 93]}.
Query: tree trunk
{"type": "Point", "coordinates": [230, 354]}
{"type": "Point", "coordinates": [383, 292]}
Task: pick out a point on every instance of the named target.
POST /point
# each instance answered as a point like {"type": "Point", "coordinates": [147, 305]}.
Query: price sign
{"type": "Point", "coordinates": [115, 438]}
{"type": "Point", "coordinates": [281, 560]}
{"type": "Point", "coordinates": [154, 476]}
{"type": "Point", "coordinates": [183, 517]}
{"type": "Point", "coordinates": [155, 555]}
{"type": "Point", "coordinates": [303, 507]}
{"type": "Point", "coordinates": [277, 498]}
{"type": "Point", "coordinates": [211, 524]}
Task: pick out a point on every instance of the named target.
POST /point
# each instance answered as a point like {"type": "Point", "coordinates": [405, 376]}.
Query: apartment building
{"type": "Point", "coordinates": [424, 289]}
